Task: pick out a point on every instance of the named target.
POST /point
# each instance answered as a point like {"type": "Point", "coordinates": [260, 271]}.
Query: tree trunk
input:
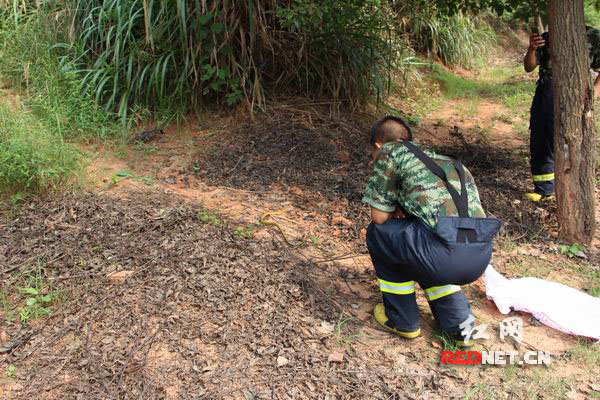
{"type": "Point", "coordinates": [574, 137]}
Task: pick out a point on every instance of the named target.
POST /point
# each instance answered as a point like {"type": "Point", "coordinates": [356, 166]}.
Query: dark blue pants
{"type": "Point", "coordinates": [405, 252]}
{"type": "Point", "coordinates": [541, 144]}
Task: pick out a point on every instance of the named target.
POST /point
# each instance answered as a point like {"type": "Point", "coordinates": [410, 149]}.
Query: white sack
{"type": "Point", "coordinates": [556, 305]}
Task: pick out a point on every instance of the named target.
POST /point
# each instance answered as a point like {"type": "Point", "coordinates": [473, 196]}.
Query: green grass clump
{"type": "Point", "coordinates": [35, 64]}
{"type": "Point", "coordinates": [209, 218]}
{"type": "Point", "coordinates": [32, 157]}
{"type": "Point", "coordinates": [32, 297]}
{"type": "Point", "coordinates": [457, 40]}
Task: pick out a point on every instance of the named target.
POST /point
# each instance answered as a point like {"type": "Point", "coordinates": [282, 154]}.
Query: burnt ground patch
{"type": "Point", "coordinates": [326, 160]}
{"type": "Point", "coordinates": [334, 163]}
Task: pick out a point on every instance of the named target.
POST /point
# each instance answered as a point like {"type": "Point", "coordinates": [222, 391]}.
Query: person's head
{"type": "Point", "coordinates": [388, 129]}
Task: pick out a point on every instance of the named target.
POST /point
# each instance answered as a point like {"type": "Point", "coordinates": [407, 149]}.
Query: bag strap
{"type": "Point", "coordinates": [461, 200]}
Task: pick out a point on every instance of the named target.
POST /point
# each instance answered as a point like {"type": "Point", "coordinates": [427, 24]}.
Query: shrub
{"type": "Point", "coordinates": [456, 40]}
{"type": "Point", "coordinates": [32, 157]}
{"type": "Point", "coordinates": [161, 54]}
{"type": "Point", "coordinates": [34, 62]}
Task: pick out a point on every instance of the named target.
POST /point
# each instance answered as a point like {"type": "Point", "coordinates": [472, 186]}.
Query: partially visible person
{"type": "Point", "coordinates": [423, 231]}
{"type": "Point", "coordinates": [541, 125]}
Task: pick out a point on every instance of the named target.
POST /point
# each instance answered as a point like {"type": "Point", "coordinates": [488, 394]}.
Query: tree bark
{"type": "Point", "coordinates": [574, 135]}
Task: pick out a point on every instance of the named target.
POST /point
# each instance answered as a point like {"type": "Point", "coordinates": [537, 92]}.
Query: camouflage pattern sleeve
{"type": "Point", "coordinates": [594, 43]}
{"type": "Point", "coordinates": [381, 190]}
{"type": "Point", "coordinates": [475, 208]}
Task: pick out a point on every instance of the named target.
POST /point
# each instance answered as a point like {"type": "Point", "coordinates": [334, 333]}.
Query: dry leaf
{"type": "Point", "coordinates": [343, 156]}
{"type": "Point", "coordinates": [297, 191]}
{"type": "Point", "coordinates": [336, 357]}
{"type": "Point", "coordinates": [325, 328]}
{"type": "Point", "coordinates": [573, 395]}
{"type": "Point", "coordinates": [341, 220]}
{"type": "Point", "coordinates": [119, 277]}
{"type": "Point", "coordinates": [533, 252]}
{"type": "Point", "coordinates": [595, 387]}
{"type": "Point", "coordinates": [282, 361]}
{"type": "Point", "coordinates": [436, 344]}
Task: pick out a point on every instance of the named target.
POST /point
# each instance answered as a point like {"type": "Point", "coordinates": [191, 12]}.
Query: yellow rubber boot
{"type": "Point", "coordinates": [381, 319]}
{"type": "Point", "coordinates": [536, 197]}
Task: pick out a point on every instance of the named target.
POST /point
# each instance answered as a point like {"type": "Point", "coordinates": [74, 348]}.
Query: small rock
{"type": "Point", "coordinates": [336, 357]}
{"type": "Point", "coordinates": [117, 278]}
{"type": "Point", "coordinates": [282, 361]}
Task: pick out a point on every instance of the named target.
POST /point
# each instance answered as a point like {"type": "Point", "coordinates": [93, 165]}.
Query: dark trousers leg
{"type": "Point", "coordinates": [395, 282]}
{"type": "Point", "coordinates": [449, 307]}
{"type": "Point", "coordinates": [541, 143]}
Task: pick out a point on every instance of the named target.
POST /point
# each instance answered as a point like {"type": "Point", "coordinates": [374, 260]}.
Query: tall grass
{"type": "Point", "coordinates": [34, 62]}
{"type": "Point", "coordinates": [456, 40]}
{"type": "Point", "coordinates": [186, 52]}
{"type": "Point", "coordinates": [35, 128]}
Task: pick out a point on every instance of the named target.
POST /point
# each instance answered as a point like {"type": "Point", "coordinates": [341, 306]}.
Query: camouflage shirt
{"type": "Point", "coordinates": [400, 178]}
{"type": "Point", "coordinates": [543, 54]}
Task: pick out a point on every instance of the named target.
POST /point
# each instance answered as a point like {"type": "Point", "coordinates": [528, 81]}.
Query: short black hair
{"type": "Point", "coordinates": [378, 131]}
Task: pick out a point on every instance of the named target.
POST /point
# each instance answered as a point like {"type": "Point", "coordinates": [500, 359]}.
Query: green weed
{"type": "Point", "coordinates": [10, 371]}
{"type": "Point", "coordinates": [341, 328]}
{"type": "Point", "coordinates": [125, 174]}
{"type": "Point", "coordinates": [37, 304]}
{"type": "Point", "coordinates": [244, 232]}
{"type": "Point", "coordinates": [146, 149]}
{"type": "Point", "coordinates": [572, 250]}
{"type": "Point", "coordinates": [507, 119]}
{"type": "Point", "coordinates": [547, 386]}
{"type": "Point", "coordinates": [209, 218]}
{"type": "Point", "coordinates": [176, 55]}
{"type": "Point", "coordinates": [481, 391]}
{"type": "Point", "coordinates": [586, 352]}
{"type": "Point", "coordinates": [448, 344]}
{"type": "Point", "coordinates": [32, 299]}
{"type": "Point", "coordinates": [314, 240]}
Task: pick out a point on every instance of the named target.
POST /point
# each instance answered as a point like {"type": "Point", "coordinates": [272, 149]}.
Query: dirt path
{"type": "Point", "coordinates": [209, 301]}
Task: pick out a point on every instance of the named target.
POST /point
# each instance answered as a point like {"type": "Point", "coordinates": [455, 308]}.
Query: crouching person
{"type": "Point", "coordinates": [428, 228]}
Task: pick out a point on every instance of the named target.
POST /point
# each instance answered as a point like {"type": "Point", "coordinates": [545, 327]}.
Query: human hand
{"type": "Point", "coordinates": [399, 213]}
{"type": "Point", "coordinates": [536, 41]}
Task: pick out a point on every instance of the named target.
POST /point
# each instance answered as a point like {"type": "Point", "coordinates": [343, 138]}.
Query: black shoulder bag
{"type": "Point", "coordinates": [461, 229]}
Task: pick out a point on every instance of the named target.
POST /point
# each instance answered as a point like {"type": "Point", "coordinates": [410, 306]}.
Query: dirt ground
{"type": "Point", "coordinates": [230, 263]}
